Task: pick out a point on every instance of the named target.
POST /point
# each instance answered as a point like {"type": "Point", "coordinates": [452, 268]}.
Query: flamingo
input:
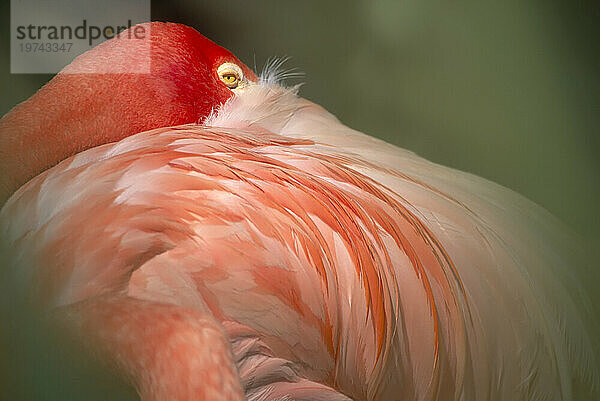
{"type": "Point", "coordinates": [211, 235]}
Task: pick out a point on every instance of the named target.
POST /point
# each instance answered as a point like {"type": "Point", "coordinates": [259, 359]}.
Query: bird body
{"type": "Point", "coordinates": [270, 252]}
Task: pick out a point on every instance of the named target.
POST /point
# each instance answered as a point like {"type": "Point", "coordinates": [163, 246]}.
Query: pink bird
{"type": "Point", "coordinates": [211, 235]}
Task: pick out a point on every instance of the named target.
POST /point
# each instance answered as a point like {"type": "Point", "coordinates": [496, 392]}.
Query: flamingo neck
{"type": "Point", "coordinates": [37, 134]}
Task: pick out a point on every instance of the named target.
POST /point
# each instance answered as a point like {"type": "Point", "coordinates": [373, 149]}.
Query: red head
{"type": "Point", "coordinates": [74, 112]}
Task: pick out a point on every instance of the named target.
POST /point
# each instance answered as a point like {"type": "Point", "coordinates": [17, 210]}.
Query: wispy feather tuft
{"type": "Point", "coordinates": [274, 73]}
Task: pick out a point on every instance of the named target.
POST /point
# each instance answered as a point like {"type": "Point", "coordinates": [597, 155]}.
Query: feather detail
{"type": "Point", "coordinates": [337, 264]}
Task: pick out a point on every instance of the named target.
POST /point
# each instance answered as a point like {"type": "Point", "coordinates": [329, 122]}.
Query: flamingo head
{"type": "Point", "coordinates": [89, 104]}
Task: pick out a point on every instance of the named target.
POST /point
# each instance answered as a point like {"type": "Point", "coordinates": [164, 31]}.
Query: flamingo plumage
{"type": "Point", "coordinates": [234, 244]}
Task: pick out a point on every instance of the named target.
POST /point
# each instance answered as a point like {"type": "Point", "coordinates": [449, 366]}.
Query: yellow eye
{"type": "Point", "coordinates": [231, 75]}
{"type": "Point", "coordinates": [229, 79]}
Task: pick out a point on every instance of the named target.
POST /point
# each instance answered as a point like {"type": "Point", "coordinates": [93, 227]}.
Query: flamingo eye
{"type": "Point", "coordinates": [231, 75]}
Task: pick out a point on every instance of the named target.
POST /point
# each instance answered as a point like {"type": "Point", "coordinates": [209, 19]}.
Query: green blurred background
{"type": "Point", "coordinates": [507, 90]}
